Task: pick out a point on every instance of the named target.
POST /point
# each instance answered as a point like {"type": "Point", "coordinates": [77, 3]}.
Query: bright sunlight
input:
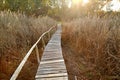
{"type": "Point", "coordinates": [113, 5]}
{"type": "Point", "coordinates": [85, 1]}
{"type": "Point", "coordinates": [116, 5]}
{"type": "Point", "coordinates": [77, 2]}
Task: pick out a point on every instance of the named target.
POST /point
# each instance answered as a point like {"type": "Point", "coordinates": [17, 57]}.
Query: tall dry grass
{"type": "Point", "coordinates": [96, 41]}
{"type": "Point", "coordinates": [18, 33]}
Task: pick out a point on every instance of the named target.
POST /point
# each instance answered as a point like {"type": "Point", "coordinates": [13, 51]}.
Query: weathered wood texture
{"type": "Point", "coordinates": [52, 66]}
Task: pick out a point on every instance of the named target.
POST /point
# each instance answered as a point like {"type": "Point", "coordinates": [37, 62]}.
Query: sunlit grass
{"type": "Point", "coordinates": [18, 33]}
{"type": "Point", "coordinates": [96, 41]}
{"type": "Point", "coordinates": [85, 1]}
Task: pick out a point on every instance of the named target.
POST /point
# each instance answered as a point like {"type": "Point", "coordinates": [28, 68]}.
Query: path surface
{"type": "Point", "coordinates": [52, 66]}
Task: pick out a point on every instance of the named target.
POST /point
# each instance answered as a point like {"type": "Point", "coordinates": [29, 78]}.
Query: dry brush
{"type": "Point", "coordinates": [97, 42]}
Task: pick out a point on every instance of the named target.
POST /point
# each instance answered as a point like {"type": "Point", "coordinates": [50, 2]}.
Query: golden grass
{"type": "Point", "coordinates": [18, 33]}
{"type": "Point", "coordinates": [97, 41]}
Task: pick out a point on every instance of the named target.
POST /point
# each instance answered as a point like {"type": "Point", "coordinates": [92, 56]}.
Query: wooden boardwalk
{"type": "Point", "coordinates": [52, 66]}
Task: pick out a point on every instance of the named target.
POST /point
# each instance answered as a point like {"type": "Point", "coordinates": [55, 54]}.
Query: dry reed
{"type": "Point", "coordinates": [97, 41]}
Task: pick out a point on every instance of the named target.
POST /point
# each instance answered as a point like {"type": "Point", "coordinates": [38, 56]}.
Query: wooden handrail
{"type": "Point", "coordinates": [19, 68]}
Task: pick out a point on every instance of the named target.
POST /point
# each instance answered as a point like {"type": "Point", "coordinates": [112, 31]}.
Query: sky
{"type": "Point", "coordinates": [70, 2]}
{"type": "Point", "coordinates": [113, 5]}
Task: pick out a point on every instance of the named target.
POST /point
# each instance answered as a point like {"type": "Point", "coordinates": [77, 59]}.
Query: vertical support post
{"type": "Point", "coordinates": [75, 77]}
{"type": "Point", "coordinates": [43, 43]}
{"type": "Point", "coordinates": [37, 54]}
{"type": "Point", "coordinates": [48, 35]}
{"type": "Point", "coordinates": [56, 28]}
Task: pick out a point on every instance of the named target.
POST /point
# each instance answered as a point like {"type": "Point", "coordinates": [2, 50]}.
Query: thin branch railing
{"type": "Point", "coordinates": [19, 68]}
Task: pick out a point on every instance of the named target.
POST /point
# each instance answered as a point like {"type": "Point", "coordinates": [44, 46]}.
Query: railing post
{"type": "Point", "coordinates": [37, 54]}
{"type": "Point", "coordinates": [43, 43]}
{"type": "Point", "coordinates": [49, 35]}
{"type": "Point", "coordinates": [75, 77]}
{"type": "Point", "coordinates": [55, 27]}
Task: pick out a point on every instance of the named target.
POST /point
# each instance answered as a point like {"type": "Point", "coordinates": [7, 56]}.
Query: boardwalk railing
{"type": "Point", "coordinates": [19, 68]}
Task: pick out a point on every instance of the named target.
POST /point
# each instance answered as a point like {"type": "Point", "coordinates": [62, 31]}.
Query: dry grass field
{"type": "Point", "coordinates": [17, 34]}
{"type": "Point", "coordinates": [91, 47]}
{"type": "Point", "coordinates": [90, 38]}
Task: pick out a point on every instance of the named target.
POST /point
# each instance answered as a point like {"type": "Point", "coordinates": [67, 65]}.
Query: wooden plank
{"type": "Point", "coordinates": [52, 50]}
{"type": "Point", "coordinates": [52, 61]}
{"type": "Point", "coordinates": [51, 57]}
{"type": "Point", "coordinates": [51, 66]}
{"type": "Point", "coordinates": [55, 64]}
{"type": "Point", "coordinates": [54, 78]}
{"type": "Point", "coordinates": [52, 54]}
{"type": "Point", "coordinates": [51, 75]}
{"type": "Point", "coordinates": [44, 72]}
{"type": "Point", "coordinates": [56, 38]}
{"type": "Point", "coordinates": [48, 59]}
{"type": "Point", "coordinates": [53, 44]}
{"type": "Point", "coordinates": [51, 69]}
{"type": "Point", "coordinates": [52, 47]}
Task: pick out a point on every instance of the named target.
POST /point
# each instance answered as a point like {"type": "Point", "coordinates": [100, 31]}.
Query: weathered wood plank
{"type": "Point", "coordinates": [51, 69]}
{"type": "Point", "coordinates": [49, 58]}
{"type": "Point", "coordinates": [51, 53]}
{"type": "Point", "coordinates": [44, 72]}
{"type": "Point", "coordinates": [56, 64]}
{"type": "Point", "coordinates": [52, 75]}
{"type": "Point", "coordinates": [52, 61]}
{"type": "Point", "coordinates": [54, 78]}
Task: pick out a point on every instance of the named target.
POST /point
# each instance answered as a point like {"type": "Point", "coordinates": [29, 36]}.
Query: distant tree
{"type": "Point", "coordinates": [53, 8]}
